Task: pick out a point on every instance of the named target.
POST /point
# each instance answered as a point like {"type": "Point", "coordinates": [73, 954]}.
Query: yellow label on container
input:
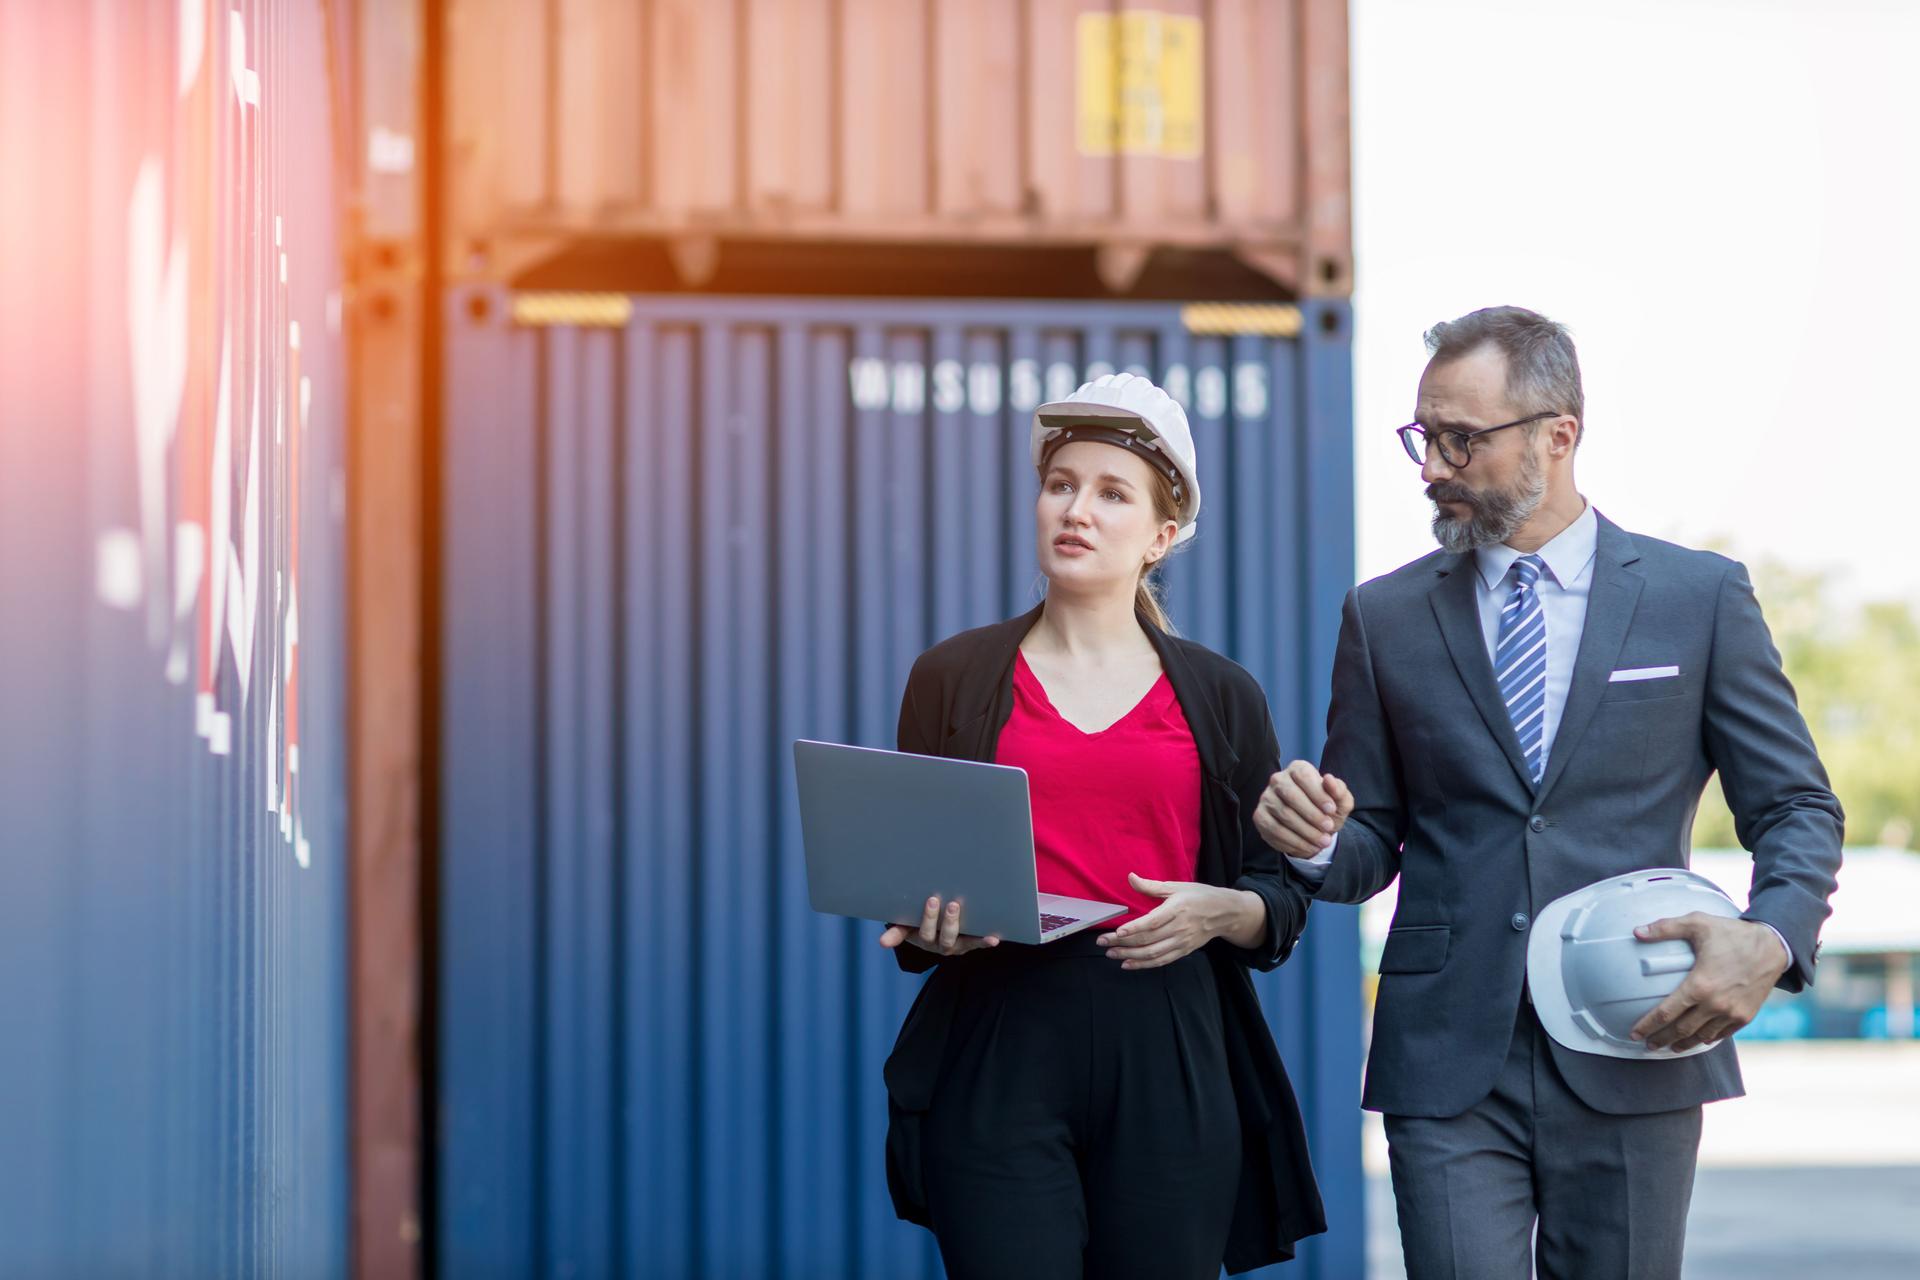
{"type": "Point", "coordinates": [573, 310]}
{"type": "Point", "coordinates": [1140, 84]}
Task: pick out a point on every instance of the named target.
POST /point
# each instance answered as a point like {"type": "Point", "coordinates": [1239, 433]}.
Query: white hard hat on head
{"type": "Point", "coordinates": [1591, 979]}
{"type": "Point", "coordinates": [1128, 410]}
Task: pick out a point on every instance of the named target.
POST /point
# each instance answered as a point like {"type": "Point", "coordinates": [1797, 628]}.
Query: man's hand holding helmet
{"type": "Point", "coordinates": [1736, 963]}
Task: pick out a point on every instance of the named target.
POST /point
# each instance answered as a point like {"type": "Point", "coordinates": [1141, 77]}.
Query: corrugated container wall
{"type": "Point", "coordinates": [680, 534]}
{"type": "Point", "coordinates": [172, 934]}
{"type": "Point", "coordinates": [1195, 123]}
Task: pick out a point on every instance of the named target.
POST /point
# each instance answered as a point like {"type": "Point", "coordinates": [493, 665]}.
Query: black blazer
{"type": "Point", "coordinates": [958, 698]}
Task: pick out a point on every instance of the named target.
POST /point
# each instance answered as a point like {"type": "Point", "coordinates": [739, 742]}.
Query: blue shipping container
{"type": "Point", "coordinates": [680, 533]}
{"type": "Point", "coordinates": [172, 593]}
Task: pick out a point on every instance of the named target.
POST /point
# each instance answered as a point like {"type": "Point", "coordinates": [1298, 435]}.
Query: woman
{"type": "Point", "coordinates": [1110, 1104]}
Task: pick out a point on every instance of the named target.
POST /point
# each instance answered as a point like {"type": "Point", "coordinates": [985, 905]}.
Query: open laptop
{"type": "Point", "coordinates": [884, 831]}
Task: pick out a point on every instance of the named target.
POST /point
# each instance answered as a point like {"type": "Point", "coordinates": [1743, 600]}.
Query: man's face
{"type": "Point", "coordinates": [1503, 483]}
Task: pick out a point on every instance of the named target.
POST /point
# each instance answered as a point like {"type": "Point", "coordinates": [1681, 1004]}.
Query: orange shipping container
{"type": "Point", "coordinates": [1197, 124]}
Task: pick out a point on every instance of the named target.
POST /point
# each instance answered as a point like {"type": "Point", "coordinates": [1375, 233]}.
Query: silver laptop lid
{"type": "Point", "coordinates": [885, 830]}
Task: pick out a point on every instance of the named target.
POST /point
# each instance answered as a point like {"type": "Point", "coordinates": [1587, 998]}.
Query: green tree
{"type": "Point", "coordinates": [1856, 670]}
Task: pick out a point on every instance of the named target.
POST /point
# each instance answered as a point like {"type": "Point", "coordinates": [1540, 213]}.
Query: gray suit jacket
{"type": "Point", "coordinates": [1443, 800]}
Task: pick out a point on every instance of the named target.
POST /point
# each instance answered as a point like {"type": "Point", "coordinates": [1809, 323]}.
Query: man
{"type": "Point", "coordinates": [1534, 708]}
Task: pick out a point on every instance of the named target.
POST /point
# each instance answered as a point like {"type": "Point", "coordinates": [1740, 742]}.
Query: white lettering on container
{"type": "Point", "coordinates": [949, 387]}
{"type": "Point", "coordinates": [1250, 390]}
{"type": "Point", "coordinates": [1210, 392]}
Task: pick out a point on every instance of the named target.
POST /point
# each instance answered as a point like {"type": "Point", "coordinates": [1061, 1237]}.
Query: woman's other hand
{"type": "Point", "coordinates": [1302, 810]}
{"type": "Point", "coordinates": [939, 932]}
{"type": "Point", "coordinates": [1189, 916]}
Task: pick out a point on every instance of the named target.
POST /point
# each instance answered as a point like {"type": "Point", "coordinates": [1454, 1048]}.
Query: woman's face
{"type": "Point", "coordinates": [1095, 516]}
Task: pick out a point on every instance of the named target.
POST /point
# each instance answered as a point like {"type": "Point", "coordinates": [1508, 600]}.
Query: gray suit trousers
{"type": "Point", "coordinates": [1608, 1193]}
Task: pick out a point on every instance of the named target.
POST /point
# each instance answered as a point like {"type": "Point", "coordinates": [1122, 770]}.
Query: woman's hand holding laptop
{"type": "Point", "coordinates": [939, 932]}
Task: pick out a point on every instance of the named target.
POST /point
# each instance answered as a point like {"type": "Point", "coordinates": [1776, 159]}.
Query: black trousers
{"type": "Point", "coordinates": [1084, 1124]}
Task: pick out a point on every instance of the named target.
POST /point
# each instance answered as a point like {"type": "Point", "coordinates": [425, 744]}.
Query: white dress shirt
{"type": "Point", "coordinates": [1563, 589]}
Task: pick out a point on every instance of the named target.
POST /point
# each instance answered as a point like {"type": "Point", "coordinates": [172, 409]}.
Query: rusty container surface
{"type": "Point", "coordinates": [173, 1074]}
{"type": "Point", "coordinates": [1195, 124]}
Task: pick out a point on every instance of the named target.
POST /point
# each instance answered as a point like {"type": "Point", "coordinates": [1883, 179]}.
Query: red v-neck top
{"type": "Point", "coordinates": [1124, 799]}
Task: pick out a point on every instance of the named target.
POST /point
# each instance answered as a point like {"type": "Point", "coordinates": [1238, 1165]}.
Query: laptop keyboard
{"type": "Point", "coordinates": [1049, 923]}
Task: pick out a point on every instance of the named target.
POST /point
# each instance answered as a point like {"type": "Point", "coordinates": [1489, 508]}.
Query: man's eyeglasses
{"type": "Point", "coordinates": [1454, 445]}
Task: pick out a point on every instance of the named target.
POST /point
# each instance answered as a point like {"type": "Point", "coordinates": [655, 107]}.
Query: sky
{"type": "Point", "coordinates": [1721, 199]}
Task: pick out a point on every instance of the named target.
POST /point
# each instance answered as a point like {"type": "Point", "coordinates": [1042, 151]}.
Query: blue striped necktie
{"type": "Point", "coordinates": [1520, 662]}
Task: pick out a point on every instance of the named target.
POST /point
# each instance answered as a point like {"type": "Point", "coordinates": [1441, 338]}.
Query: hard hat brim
{"type": "Point", "coordinates": [1079, 409]}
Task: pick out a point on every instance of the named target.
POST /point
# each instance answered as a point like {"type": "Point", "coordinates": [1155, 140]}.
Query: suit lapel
{"type": "Point", "coordinates": [1457, 607]}
{"type": "Point", "coordinates": [1610, 605]}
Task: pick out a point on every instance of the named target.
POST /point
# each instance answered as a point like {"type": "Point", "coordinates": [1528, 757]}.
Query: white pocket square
{"type": "Point", "coordinates": [1642, 673]}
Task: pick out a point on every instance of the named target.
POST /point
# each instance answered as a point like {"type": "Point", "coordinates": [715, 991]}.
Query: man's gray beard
{"type": "Point", "coordinates": [1495, 516]}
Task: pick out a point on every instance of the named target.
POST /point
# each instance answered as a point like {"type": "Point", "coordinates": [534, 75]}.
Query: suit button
{"type": "Point", "coordinates": [1537, 823]}
{"type": "Point", "coordinates": [1520, 921]}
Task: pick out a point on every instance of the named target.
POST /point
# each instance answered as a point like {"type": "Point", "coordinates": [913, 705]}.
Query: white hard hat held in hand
{"type": "Point", "coordinates": [1592, 980]}
{"type": "Point", "coordinates": [1128, 410]}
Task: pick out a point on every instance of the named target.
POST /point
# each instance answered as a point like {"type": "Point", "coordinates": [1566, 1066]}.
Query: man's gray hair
{"type": "Point", "coordinates": [1543, 373]}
